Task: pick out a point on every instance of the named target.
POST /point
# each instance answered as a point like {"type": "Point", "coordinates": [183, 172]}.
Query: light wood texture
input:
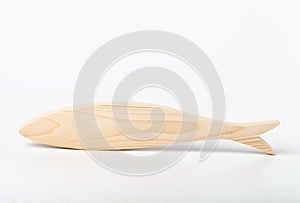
{"type": "Point", "coordinates": [119, 127]}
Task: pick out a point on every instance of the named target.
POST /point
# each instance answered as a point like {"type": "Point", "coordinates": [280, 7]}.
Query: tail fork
{"type": "Point", "coordinates": [249, 135]}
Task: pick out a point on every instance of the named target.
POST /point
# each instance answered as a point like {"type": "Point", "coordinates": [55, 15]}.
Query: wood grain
{"type": "Point", "coordinates": [119, 126]}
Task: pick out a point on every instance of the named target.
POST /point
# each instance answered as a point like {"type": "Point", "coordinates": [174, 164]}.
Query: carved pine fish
{"type": "Point", "coordinates": [117, 127]}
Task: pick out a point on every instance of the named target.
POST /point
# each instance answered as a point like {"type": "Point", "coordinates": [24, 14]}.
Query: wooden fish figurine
{"type": "Point", "coordinates": [108, 126]}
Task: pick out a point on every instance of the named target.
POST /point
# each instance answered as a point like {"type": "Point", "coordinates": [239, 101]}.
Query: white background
{"type": "Point", "coordinates": [254, 46]}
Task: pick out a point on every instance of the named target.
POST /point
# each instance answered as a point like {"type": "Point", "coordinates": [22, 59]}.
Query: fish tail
{"type": "Point", "coordinates": [250, 135]}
